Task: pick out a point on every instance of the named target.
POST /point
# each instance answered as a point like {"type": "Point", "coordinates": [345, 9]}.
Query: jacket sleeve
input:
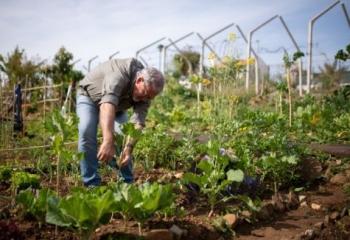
{"type": "Point", "coordinates": [113, 85]}
{"type": "Point", "coordinates": [140, 113]}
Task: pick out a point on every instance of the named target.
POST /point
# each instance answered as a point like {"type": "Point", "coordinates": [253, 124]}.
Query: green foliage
{"type": "Point", "coordinates": [156, 148]}
{"type": "Point", "coordinates": [289, 61]}
{"type": "Point", "coordinates": [81, 210]}
{"type": "Point", "coordinates": [331, 75]}
{"type": "Point", "coordinates": [18, 68]}
{"type": "Point", "coordinates": [229, 70]}
{"type": "Point", "coordinates": [85, 210]}
{"type": "Point", "coordinates": [63, 128]}
{"type": "Point", "coordinates": [181, 64]}
{"type": "Point", "coordinates": [62, 68]}
{"type": "Point", "coordinates": [5, 173]}
{"type": "Point", "coordinates": [130, 130]}
{"type": "Point", "coordinates": [34, 205]}
{"type": "Point", "coordinates": [142, 202]}
{"type": "Point", "coordinates": [343, 55]}
{"type": "Point", "coordinates": [213, 178]}
{"type": "Point", "coordinates": [24, 180]}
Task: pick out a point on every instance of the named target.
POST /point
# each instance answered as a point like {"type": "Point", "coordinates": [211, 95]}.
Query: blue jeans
{"type": "Point", "coordinates": [88, 114]}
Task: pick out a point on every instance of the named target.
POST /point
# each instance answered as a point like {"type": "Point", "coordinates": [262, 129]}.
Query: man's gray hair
{"type": "Point", "coordinates": [153, 78]}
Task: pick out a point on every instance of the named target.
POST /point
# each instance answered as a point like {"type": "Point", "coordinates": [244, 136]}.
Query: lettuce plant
{"type": "Point", "coordinates": [142, 202]}
{"type": "Point", "coordinates": [34, 205]}
{"type": "Point", "coordinates": [24, 180]}
{"type": "Point", "coordinates": [5, 173]}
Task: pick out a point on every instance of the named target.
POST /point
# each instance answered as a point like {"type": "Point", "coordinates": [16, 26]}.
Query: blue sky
{"type": "Point", "coordinates": [94, 27]}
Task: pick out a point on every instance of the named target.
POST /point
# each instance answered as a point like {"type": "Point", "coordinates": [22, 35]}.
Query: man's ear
{"type": "Point", "coordinates": [139, 79]}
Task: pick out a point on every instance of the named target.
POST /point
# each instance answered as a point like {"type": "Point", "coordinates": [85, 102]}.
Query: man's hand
{"type": "Point", "coordinates": [125, 157]}
{"type": "Point", "coordinates": [106, 151]}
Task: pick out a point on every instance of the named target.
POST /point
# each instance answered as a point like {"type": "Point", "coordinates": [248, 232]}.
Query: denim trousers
{"type": "Point", "coordinates": [88, 114]}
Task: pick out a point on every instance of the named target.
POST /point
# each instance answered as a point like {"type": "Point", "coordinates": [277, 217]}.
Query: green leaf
{"type": "Point", "coordinates": [192, 178]}
{"type": "Point", "coordinates": [205, 166]}
{"type": "Point", "coordinates": [130, 130]}
{"type": "Point", "coordinates": [235, 175]}
{"type": "Point", "coordinates": [54, 214]}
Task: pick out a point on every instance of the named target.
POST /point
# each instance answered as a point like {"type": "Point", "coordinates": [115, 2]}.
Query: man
{"type": "Point", "coordinates": [103, 97]}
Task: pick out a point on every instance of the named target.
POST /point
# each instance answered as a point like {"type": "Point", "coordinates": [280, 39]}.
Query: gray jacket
{"type": "Point", "coordinates": [113, 82]}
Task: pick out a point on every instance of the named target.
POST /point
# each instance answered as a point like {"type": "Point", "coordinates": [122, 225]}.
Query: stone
{"type": "Point", "coordinates": [334, 215]}
{"type": "Point", "coordinates": [159, 234]}
{"type": "Point", "coordinates": [231, 220]}
{"type": "Point", "coordinates": [279, 206]}
{"type": "Point", "coordinates": [178, 175]}
{"type": "Point", "coordinates": [344, 212]}
{"type": "Point", "coordinates": [302, 198]}
{"type": "Point", "coordinates": [309, 234]}
{"type": "Point", "coordinates": [266, 211]}
{"type": "Point", "coordinates": [293, 201]}
{"type": "Point", "coordinates": [310, 169]}
{"type": "Point", "coordinates": [258, 233]}
{"type": "Point", "coordinates": [326, 220]}
{"type": "Point", "coordinates": [347, 173]}
{"type": "Point", "coordinates": [319, 225]}
{"type": "Point", "coordinates": [315, 206]}
{"type": "Point", "coordinates": [246, 214]}
{"type": "Point", "coordinates": [339, 179]}
{"type": "Point", "coordinates": [177, 231]}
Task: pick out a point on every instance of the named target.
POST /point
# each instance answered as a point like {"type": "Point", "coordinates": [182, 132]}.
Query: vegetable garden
{"type": "Point", "coordinates": [214, 162]}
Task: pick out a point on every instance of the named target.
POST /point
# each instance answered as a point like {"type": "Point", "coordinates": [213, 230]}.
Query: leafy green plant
{"type": "Point", "coordinates": [82, 210]}
{"type": "Point", "coordinates": [34, 205]}
{"type": "Point", "coordinates": [5, 173]}
{"type": "Point", "coordinates": [142, 202]}
{"type": "Point", "coordinates": [62, 129]}
{"type": "Point", "coordinates": [288, 64]}
{"type": "Point", "coordinates": [24, 180]}
{"type": "Point", "coordinates": [213, 178]}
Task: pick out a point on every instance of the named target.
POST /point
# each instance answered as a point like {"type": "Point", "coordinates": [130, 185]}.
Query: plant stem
{"type": "Point", "coordinates": [198, 100]}
{"type": "Point", "coordinates": [289, 97]}
{"type": "Point", "coordinates": [140, 228]}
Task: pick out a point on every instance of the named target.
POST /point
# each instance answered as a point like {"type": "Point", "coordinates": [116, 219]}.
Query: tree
{"type": "Point", "coordinates": [343, 54]}
{"type": "Point", "coordinates": [19, 69]}
{"type": "Point", "coordinates": [62, 68]}
{"type": "Point", "coordinates": [181, 64]}
{"type": "Point", "coordinates": [331, 75]}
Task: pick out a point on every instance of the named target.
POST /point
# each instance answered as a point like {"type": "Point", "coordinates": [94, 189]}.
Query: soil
{"type": "Point", "coordinates": [323, 214]}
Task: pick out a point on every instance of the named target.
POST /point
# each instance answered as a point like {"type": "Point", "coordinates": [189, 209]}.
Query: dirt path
{"type": "Point", "coordinates": [321, 216]}
{"type": "Point", "coordinates": [291, 225]}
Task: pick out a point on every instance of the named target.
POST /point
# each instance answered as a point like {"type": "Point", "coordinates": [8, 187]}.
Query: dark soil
{"type": "Point", "coordinates": [328, 220]}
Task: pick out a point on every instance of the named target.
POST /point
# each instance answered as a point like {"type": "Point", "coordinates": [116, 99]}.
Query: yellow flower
{"type": "Point", "coordinates": [315, 119]}
{"type": "Point", "coordinates": [251, 60]}
{"type": "Point", "coordinates": [233, 98]}
{"type": "Point", "coordinates": [206, 82]}
{"type": "Point", "coordinates": [232, 37]}
{"type": "Point", "coordinates": [342, 134]}
{"type": "Point", "coordinates": [226, 59]}
{"type": "Point", "coordinates": [211, 56]}
{"type": "Point", "coordinates": [241, 62]}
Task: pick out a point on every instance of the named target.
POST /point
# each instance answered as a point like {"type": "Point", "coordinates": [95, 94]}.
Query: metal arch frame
{"type": "Point", "coordinates": [310, 38]}
{"type": "Point", "coordinates": [113, 54]}
{"type": "Point", "coordinates": [164, 50]}
{"type": "Point", "coordinates": [204, 42]}
{"type": "Point", "coordinates": [256, 62]}
{"type": "Point", "coordinates": [188, 62]}
{"type": "Point", "coordinates": [137, 55]}
{"type": "Point", "coordinates": [90, 61]}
